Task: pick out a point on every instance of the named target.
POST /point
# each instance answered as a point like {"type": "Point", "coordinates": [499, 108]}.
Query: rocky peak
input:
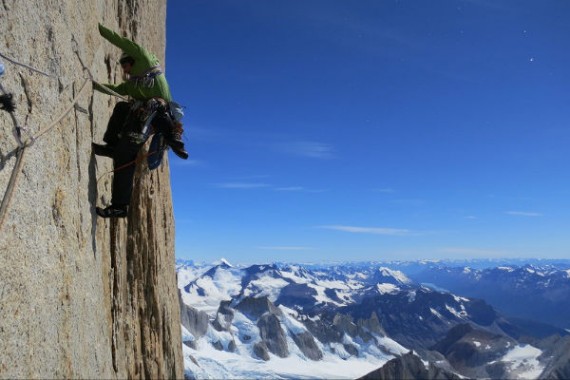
{"type": "Point", "coordinates": [390, 276]}
{"type": "Point", "coordinates": [256, 307]}
{"type": "Point", "coordinates": [557, 348]}
{"type": "Point", "coordinates": [470, 350]}
{"type": "Point", "coordinates": [409, 366]}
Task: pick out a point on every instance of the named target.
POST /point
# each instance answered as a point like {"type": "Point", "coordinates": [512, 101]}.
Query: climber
{"type": "Point", "coordinates": [126, 131]}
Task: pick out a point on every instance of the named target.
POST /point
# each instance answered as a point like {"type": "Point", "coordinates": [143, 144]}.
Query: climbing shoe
{"type": "Point", "coordinates": [112, 211]}
{"type": "Point", "coordinates": [180, 151]}
{"type": "Point", "coordinates": [175, 142]}
{"type": "Point", "coordinates": [176, 132]}
{"type": "Point", "coordinates": [102, 150]}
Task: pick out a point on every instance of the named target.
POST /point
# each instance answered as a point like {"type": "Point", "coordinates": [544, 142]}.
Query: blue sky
{"type": "Point", "coordinates": [326, 130]}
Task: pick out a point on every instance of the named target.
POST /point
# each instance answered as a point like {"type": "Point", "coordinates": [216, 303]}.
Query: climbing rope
{"type": "Point", "coordinates": [20, 150]}
{"type": "Point", "coordinates": [12, 60]}
{"type": "Point", "coordinates": [20, 155]}
{"type": "Point", "coordinates": [75, 48]}
{"type": "Point", "coordinates": [22, 145]}
{"type": "Point", "coordinates": [65, 112]}
{"type": "Point", "coordinates": [133, 162]}
{"type": "Point", "coordinates": [11, 184]}
{"type": "Point", "coordinates": [111, 92]}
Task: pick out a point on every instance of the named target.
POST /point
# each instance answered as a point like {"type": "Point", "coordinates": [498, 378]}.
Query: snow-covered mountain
{"type": "Point", "coordinates": [511, 289]}
{"type": "Point", "coordinates": [294, 321]}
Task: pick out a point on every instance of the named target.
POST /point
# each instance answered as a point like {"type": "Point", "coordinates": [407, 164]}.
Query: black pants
{"type": "Point", "coordinates": [116, 123]}
{"type": "Point", "coordinates": [120, 129]}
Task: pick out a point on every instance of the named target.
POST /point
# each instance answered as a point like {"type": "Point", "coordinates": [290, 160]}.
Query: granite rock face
{"type": "Point", "coordinates": [273, 335]}
{"type": "Point", "coordinates": [557, 348]}
{"type": "Point", "coordinates": [194, 320]}
{"type": "Point", "coordinates": [80, 297]}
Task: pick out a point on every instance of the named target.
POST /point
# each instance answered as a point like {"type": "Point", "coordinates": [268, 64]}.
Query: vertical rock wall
{"type": "Point", "coordinates": [80, 297]}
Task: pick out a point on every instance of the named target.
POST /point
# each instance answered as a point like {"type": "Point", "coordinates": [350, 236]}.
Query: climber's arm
{"type": "Point", "coordinates": [122, 43]}
{"type": "Point", "coordinates": [120, 89]}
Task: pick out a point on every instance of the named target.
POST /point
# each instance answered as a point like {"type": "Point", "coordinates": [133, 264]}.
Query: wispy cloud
{"type": "Point", "coordinates": [290, 188]}
{"type": "Point", "coordinates": [192, 163]}
{"type": "Point", "coordinates": [472, 252]}
{"type": "Point", "coordinates": [242, 185]}
{"type": "Point", "coordinates": [285, 248]}
{"type": "Point", "coordinates": [310, 149]}
{"type": "Point", "coordinates": [369, 230]}
{"type": "Point", "coordinates": [523, 213]}
{"type": "Point", "coordinates": [247, 185]}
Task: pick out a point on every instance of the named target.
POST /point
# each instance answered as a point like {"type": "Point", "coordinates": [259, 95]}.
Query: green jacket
{"type": "Point", "coordinates": [144, 61]}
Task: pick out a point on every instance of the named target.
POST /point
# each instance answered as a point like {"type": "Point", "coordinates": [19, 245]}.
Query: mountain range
{"type": "Point", "coordinates": [510, 289]}
{"type": "Point", "coordinates": [348, 320]}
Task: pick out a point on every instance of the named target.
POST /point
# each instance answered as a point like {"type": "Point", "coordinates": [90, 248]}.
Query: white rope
{"type": "Point", "coordinates": [111, 92]}
{"type": "Point", "coordinates": [20, 150]}
{"type": "Point", "coordinates": [20, 155]}
{"type": "Point", "coordinates": [12, 60]}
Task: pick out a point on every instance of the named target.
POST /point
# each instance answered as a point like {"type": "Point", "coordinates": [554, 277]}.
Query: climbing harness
{"type": "Point", "coordinates": [146, 79]}
{"type": "Point", "coordinates": [144, 112]}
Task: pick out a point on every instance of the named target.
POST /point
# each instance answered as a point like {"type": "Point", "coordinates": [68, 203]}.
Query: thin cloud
{"type": "Point", "coordinates": [290, 188]}
{"type": "Point", "coordinates": [297, 189]}
{"type": "Point", "coordinates": [369, 230]}
{"type": "Point", "coordinates": [285, 248]}
{"type": "Point", "coordinates": [242, 185]}
{"type": "Point", "coordinates": [472, 252]}
{"type": "Point", "coordinates": [310, 149]}
{"type": "Point", "coordinates": [523, 213]}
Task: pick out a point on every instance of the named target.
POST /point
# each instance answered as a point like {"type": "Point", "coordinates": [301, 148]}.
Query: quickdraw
{"type": "Point", "coordinates": [7, 104]}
